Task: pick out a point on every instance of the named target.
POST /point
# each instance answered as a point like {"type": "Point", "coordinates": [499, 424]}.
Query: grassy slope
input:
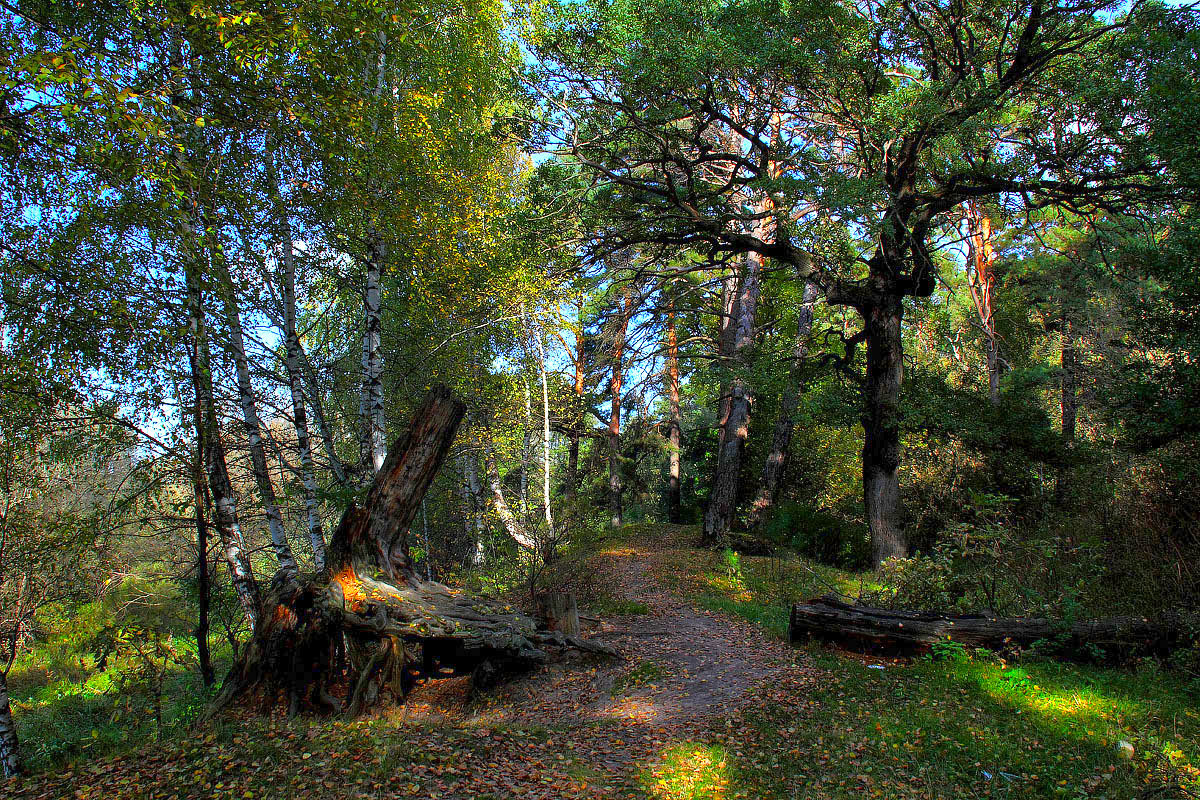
{"type": "Point", "coordinates": [934, 728]}
{"type": "Point", "coordinates": [926, 729]}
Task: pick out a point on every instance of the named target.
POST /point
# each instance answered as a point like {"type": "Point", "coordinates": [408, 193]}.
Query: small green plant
{"type": "Point", "coordinates": [949, 650]}
{"type": "Point", "coordinates": [733, 565]}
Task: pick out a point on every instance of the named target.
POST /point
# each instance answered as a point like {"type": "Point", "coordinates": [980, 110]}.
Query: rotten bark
{"type": "Point", "coordinates": [829, 618]}
{"type": "Point", "coordinates": [371, 598]}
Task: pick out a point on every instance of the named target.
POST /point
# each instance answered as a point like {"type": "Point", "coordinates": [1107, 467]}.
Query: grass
{"type": "Point", "coordinates": [67, 714]}
{"type": "Point", "coordinates": [966, 726]}
{"type": "Point", "coordinates": [645, 673]}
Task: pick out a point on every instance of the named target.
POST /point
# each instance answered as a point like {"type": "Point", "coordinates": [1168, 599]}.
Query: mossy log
{"type": "Point", "coordinates": [341, 639]}
{"type": "Point", "coordinates": [908, 631]}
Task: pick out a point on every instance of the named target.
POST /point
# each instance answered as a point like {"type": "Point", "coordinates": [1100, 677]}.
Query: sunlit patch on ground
{"type": "Point", "coordinates": [690, 771]}
{"type": "Point", "coordinates": [635, 709]}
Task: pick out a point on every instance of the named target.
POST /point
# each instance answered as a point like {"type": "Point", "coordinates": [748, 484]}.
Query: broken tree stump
{"type": "Point", "coordinates": [343, 638]}
{"type": "Point", "coordinates": [560, 612]}
{"type": "Point", "coordinates": [907, 631]}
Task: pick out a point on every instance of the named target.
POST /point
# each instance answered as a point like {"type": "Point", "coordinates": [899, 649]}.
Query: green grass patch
{"type": "Point", "coordinates": [645, 673]}
{"type": "Point", "coordinates": [618, 607]}
{"type": "Point", "coordinates": [961, 725]}
{"type": "Point", "coordinates": [971, 728]}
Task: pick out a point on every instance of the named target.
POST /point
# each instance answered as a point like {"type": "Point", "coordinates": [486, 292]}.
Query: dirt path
{"type": "Point", "coordinates": [641, 728]}
{"type": "Point", "coordinates": [686, 672]}
{"type": "Point", "coordinates": [682, 664]}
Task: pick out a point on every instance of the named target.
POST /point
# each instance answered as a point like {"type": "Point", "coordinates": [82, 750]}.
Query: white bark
{"type": "Point", "coordinates": [225, 515]}
{"type": "Point", "coordinates": [541, 349]}
{"type": "Point", "coordinates": [251, 422]}
{"type": "Point", "coordinates": [10, 750]}
{"type": "Point", "coordinates": [511, 524]}
{"type": "Point", "coordinates": [372, 443]}
{"type": "Point", "coordinates": [316, 535]}
{"type": "Point", "coordinates": [372, 447]}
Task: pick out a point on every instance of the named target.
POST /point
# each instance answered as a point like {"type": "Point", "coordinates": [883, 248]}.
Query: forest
{"type": "Point", "coordinates": [671, 399]}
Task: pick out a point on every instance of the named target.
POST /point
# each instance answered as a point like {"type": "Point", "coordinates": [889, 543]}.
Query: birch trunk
{"type": "Point", "coordinates": [200, 498]}
{"type": "Point", "coordinates": [541, 350]}
{"type": "Point", "coordinates": [526, 436]}
{"type": "Point", "coordinates": [372, 447]}
{"type": "Point", "coordinates": [507, 518]}
{"type": "Point", "coordinates": [225, 515]}
{"type": "Point", "coordinates": [316, 534]}
{"type": "Point", "coordinates": [10, 748]}
{"type": "Point", "coordinates": [475, 487]}
{"type": "Point", "coordinates": [250, 419]}
{"type": "Point", "coordinates": [313, 395]}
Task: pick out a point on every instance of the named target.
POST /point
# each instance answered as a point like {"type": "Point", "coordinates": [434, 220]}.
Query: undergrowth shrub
{"type": "Point", "coordinates": [819, 535]}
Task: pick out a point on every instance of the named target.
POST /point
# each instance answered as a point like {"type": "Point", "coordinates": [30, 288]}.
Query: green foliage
{"type": "Point", "coordinates": [949, 650]}
{"type": "Point", "coordinates": [819, 535]}
{"type": "Point", "coordinates": [733, 565]}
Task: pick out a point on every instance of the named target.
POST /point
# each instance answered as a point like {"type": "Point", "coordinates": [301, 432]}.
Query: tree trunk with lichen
{"type": "Point", "coordinates": [371, 599]}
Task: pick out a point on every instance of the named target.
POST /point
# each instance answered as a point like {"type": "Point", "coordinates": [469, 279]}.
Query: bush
{"type": "Point", "coordinates": [819, 535]}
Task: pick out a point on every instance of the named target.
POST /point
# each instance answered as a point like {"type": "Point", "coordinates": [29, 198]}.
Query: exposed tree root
{"type": "Point", "coordinates": [342, 639]}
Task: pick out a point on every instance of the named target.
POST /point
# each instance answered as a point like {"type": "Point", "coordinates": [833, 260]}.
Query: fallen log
{"type": "Point", "coordinates": [909, 631]}
{"type": "Point", "coordinates": [343, 638]}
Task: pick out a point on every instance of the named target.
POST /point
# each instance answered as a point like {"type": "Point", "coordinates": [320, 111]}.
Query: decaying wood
{"type": "Point", "coordinates": [561, 612]}
{"type": "Point", "coordinates": [916, 630]}
{"type": "Point", "coordinates": [343, 638]}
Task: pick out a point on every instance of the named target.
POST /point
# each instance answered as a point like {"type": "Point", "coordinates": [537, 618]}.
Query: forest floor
{"type": "Point", "coordinates": [709, 702]}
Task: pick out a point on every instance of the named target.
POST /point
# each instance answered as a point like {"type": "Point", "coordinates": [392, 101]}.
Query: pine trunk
{"type": "Point", "coordinates": [675, 424]}
{"type": "Point", "coordinates": [774, 467]}
{"type": "Point", "coordinates": [981, 283]}
{"type": "Point", "coordinates": [881, 429]}
{"type": "Point", "coordinates": [722, 505]}
{"type": "Point", "coordinates": [614, 419]}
